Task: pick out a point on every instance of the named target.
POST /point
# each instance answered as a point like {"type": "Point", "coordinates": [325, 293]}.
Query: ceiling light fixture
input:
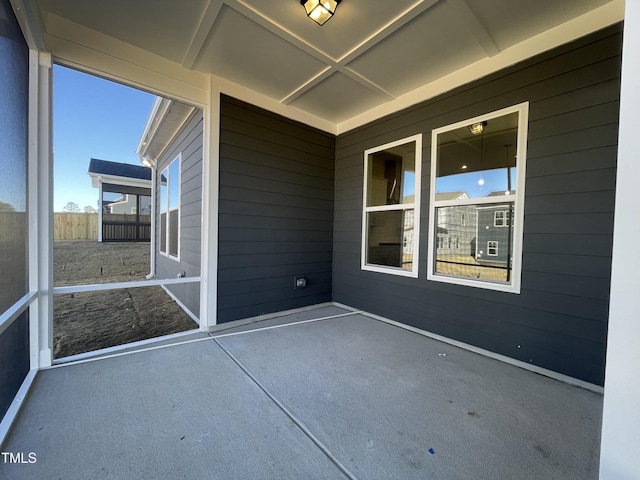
{"type": "Point", "coordinates": [320, 10]}
{"type": "Point", "coordinates": [477, 128]}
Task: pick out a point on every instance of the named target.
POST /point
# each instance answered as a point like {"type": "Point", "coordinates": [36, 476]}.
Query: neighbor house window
{"type": "Point", "coordinates": [477, 197]}
{"type": "Point", "coordinates": [170, 209]}
{"type": "Point", "coordinates": [390, 223]}
{"type": "Point", "coordinates": [501, 218]}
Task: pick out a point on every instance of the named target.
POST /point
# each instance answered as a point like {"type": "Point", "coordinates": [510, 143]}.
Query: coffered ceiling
{"type": "Point", "coordinates": [372, 57]}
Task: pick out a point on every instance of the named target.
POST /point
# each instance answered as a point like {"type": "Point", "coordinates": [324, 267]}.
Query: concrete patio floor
{"type": "Point", "coordinates": [326, 393]}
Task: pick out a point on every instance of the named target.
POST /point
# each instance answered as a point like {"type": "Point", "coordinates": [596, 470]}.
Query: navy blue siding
{"type": "Point", "coordinates": [276, 212]}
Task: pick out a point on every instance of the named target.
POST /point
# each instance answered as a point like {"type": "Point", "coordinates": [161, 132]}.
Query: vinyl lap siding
{"type": "Point", "coordinates": [275, 212]}
{"type": "Point", "coordinates": [188, 142]}
{"type": "Point", "coordinates": [559, 320]}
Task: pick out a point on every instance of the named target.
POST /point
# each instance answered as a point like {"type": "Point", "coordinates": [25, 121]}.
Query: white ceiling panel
{"type": "Point", "coordinates": [430, 46]}
{"type": "Point", "coordinates": [512, 22]}
{"type": "Point", "coordinates": [337, 98]}
{"type": "Point", "coordinates": [164, 27]}
{"type": "Point", "coordinates": [246, 53]}
{"type": "Point", "coordinates": [372, 58]}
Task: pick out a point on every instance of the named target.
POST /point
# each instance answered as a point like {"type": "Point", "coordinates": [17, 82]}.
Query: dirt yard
{"type": "Point", "coordinates": [88, 321]}
{"type": "Point", "coordinates": [468, 266]}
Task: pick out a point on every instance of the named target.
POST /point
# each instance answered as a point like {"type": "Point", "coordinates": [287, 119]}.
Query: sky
{"type": "Point", "coordinates": [92, 118]}
{"type": "Point", "coordinates": [477, 184]}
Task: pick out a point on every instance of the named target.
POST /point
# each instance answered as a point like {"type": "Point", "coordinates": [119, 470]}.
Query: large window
{"type": "Point", "coordinates": [170, 209]}
{"type": "Point", "coordinates": [390, 225]}
{"type": "Point", "coordinates": [477, 196]}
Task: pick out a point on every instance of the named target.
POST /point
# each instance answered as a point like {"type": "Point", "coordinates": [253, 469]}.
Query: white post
{"type": "Point", "coordinates": [33, 185]}
{"type": "Point", "coordinates": [41, 209]}
{"type": "Point", "coordinates": [620, 446]}
{"type": "Point", "coordinates": [210, 184]}
{"type": "Point", "coordinates": [152, 238]}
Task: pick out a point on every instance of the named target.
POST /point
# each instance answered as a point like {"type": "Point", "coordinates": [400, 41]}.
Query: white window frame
{"type": "Point", "coordinates": [504, 221]}
{"type": "Point", "coordinates": [166, 208]}
{"type": "Point", "coordinates": [385, 208]}
{"type": "Point", "coordinates": [513, 286]}
{"type": "Point", "coordinates": [494, 247]}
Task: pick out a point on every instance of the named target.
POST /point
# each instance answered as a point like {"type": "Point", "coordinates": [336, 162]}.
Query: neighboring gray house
{"type": "Point", "coordinates": [493, 234]}
{"type": "Point", "coordinates": [171, 145]}
{"type": "Point", "coordinates": [456, 234]}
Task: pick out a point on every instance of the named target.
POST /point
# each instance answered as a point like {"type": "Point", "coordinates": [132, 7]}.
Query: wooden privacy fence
{"type": "Point", "coordinates": [75, 226]}
{"type": "Point", "coordinates": [116, 227]}
{"type": "Point", "coordinates": [125, 227]}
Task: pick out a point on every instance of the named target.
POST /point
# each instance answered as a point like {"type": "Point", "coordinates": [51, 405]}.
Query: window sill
{"type": "Point", "coordinates": [513, 287]}
{"type": "Point", "coordinates": [390, 270]}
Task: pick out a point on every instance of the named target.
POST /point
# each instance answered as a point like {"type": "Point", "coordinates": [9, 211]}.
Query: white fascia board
{"type": "Point", "coordinates": [124, 181]}
{"type": "Point", "coordinates": [149, 128]}
{"type": "Point", "coordinates": [80, 47]}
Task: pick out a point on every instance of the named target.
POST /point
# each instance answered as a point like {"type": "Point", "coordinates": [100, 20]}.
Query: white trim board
{"type": "Point", "coordinates": [121, 350]}
{"type": "Point", "coordinates": [182, 305]}
{"type": "Point", "coordinates": [267, 316]}
{"type": "Point", "coordinates": [16, 405]}
{"type": "Point", "coordinates": [103, 352]}
{"type": "Point", "coordinates": [9, 316]}
{"type": "Point", "coordinates": [124, 351]}
{"type": "Point", "coordinates": [96, 287]}
{"type": "Point", "coordinates": [281, 325]}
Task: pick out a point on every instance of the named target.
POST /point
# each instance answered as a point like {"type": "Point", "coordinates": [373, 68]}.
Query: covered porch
{"type": "Point", "coordinates": [351, 394]}
{"type": "Point", "coordinates": [326, 392]}
{"type": "Point", "coordinates": [126, 216]}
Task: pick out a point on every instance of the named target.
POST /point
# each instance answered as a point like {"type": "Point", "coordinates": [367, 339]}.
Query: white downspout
{"type": "Point", "coordinates": [100, 206]}
{"type": "Point", "coordinates": [152, 272]}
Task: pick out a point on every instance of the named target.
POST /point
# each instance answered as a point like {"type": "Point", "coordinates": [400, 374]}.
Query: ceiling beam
{"type": "Point", "coordinates": [209, 16]}
{"type": "Point", "coordinates": [323, 75]}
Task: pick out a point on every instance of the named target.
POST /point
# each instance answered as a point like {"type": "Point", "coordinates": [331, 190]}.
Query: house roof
{"type": "Point", "coordinates": [500, 193]}
{"type": "Point", "coordinates": [371, 59]}
{"type": "Point", "coordinates": [165, 120]}
{"type": "Point", "coordinates": [451, 195]}
{"type": "Point", "coordinates": [115, 169]}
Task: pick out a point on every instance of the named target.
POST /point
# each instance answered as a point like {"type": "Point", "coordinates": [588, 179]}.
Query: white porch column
{"type": "Point", "coordinates": [40, 209]}
{"type": "Point", "coordinates": [620, 448]}
{"type": "Point", "coordinates": [210, 186]}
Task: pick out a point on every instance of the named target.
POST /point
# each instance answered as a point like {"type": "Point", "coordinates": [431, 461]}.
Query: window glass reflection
{"type": "Point", "coordinates": [392, 179]}
{"type": "Point", "coordinates": [479, 164]}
